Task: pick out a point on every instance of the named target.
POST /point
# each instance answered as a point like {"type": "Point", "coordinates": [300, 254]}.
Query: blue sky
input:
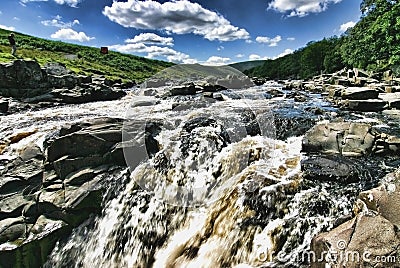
{"type": "Point", "coordinates": [184, 31]}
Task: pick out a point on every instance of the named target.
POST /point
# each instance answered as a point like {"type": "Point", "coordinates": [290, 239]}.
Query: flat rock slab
{"type": "Point", "coordinates": [359, 93]}
{"type": "Point", "coordinates": [365, 105]}
{"type": "Point", "coordinates": [345, 138]}
{"type": "Point", "coordinates": [331, 168]}
{"type": "Point", "coordinates": [393, 99]}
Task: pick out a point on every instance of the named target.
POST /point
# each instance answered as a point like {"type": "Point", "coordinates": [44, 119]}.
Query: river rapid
{"type": "Point", "coordinates": [238, 200]}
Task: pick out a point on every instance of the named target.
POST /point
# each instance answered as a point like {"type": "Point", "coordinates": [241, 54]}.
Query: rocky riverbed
{"type": "Point", "coordinates": [291, 169]}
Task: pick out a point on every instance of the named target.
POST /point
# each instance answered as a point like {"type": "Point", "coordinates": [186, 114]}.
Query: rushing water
{"type": "Point", "coordinates": [257, 210]}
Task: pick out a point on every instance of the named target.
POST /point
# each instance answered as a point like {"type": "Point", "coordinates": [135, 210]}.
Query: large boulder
{"type": "Point", "coordinates": [183, 90]}
{"type": "Point", "coordinates": [43, 195]}
{"type": "Point", "coordinates": [54, 83]}
{"type": "Point", "coordinates": [349, 139]}
{"type": "Point", "coordinates": [365, 105]}
{"type": "Point", "coordinates": [361, 242]}
{"type": "Point", "coordinates": [359, 93]}
{"type": "Point", "coordinates": [331, 168]}
{"type": "Point", "coordinates": [393, 99]}
{"type": "Point", "coordinates": [21, 74]}
{"type": "Point", "coordinates": [372, 237]}
{"type": "Point", "coordinates": [345, 138]}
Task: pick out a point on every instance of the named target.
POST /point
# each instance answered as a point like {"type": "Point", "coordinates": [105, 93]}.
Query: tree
{"type": "Point", "coordinates": [373, 43]}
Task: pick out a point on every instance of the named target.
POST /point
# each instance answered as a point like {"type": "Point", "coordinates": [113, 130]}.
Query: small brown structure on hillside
{"type": "Point", "coordinates": [104, 50]}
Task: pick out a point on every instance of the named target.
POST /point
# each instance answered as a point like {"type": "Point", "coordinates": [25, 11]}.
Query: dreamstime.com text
{"type": "Point", "coordinates": [333, 256]}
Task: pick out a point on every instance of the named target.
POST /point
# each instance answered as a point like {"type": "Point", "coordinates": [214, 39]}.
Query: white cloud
{"type": "Point", "coordinates": [220, 48]}
{"type": "Point", "coordinates": [151, 38]}
{"type": "Point", "coordinates": [69, 34]}
{"type": "Point", "coordinates": [155, 51]}
{"type": "Point", "coordinates": [9, 28]}
{"type": "Point", "coordinates": [16, 18]}
{"type": "Point", "coordinates": [346, 26]}
{"type": "Point", "coordinates": [57, 22]}
{"type": "Point", "coordinates": [179, 17]}
{"type": "Point", "coordinates": [257, 57]}
{"type": "Point", "coordinates": [272, 42]}
{"type": "Point", "coordinates": [284, 53]}
{"type": "Point", "coordinates": [239, 56]}
{"type": "Point", "coordinates": [301, 7]}
{"type": "Point", "coordinates": [290, 38]}
{"type": "Point", "coordinates": [71, 3]}
{"type": "Point", "coordinates": [217, 61]}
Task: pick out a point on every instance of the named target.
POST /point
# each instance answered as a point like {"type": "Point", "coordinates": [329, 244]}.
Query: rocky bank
{"type": "Point", "coordinates": [335, 150]}
{"type": "Point", "coordinates": [25, 81]}
{"type": "Point", "coordinates": [46, 190]}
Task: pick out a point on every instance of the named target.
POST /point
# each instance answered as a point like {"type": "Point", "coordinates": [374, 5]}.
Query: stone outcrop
{"type": "Point", "coordinates": [44, 194]}
{"type": "Point", "coordinates": [359, 93]}
{"type": "Point", "coordinates": [26, 80]}
{"type": "Point", "coordinates": [364, 105]}
{"type": "Point", "coordinates": [372, 237]}
{"type": "Point", "coordinates": [331, 168]}
{"type": "Point", "coordinates": [348, 139]}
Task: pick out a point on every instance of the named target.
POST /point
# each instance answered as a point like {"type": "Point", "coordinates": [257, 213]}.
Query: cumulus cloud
{"type": "Point", "coordinates": [71, 3]}
{"type": "Point", "coordinates": [217, 61]}
{"type": "Point", "coordinates": [154, 51]}
{"type": "Point", "coordinates": [301, 8]}
{"type": "Point", "coordinates": [57, 22]}
{"type": "Point", "coordinates": [239, 56]}
{"type": "Point", "coordinates": [290, 38]}
{"type": "Point", "coordinates": [152, 39]}
{"type": "Point", "coordinates": [178, 17]}
{"type": "Point", "coordinates": [9, 28]}
{"type": "Point", "coordinates": [346, 26]}
{"type": "Point", "coordinates": [69, 34]}
{"type": "Point", "coordinates": [284, 53]}
{"type": "Point", "coordinates": [272, 42]}
{"type": "Point", "coordinates": [257, 57]}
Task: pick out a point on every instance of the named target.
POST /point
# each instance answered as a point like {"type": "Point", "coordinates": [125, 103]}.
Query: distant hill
{"type": "Point", "coordinates": [81, 59]}
{"type": "Point", "coordinates": [247, 65]}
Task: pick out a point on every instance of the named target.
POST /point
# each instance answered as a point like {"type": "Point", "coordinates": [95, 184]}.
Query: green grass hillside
{"type": "Point", "coordinates": [81, 59]}
{"type": "Point", "coordinates": [247, 65]}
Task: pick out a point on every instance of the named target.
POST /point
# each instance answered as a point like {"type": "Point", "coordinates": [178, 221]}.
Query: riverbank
{"type": "Point", "coordinates": [300, 164]}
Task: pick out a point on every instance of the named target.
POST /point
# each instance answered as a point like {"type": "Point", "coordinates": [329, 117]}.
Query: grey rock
{"type": "Point", "coordinates": [345, 138]}
{"type": "Point", "coordinates": [56, 68]}
{"type": "Point", "coordinates": [12, 229]}
{"type": "Point", "coordinates": [371, 234]}
{"type": "Point", "coordinates": [393, 99]}
{"type": "Point", "coordinates": [331, 168]}
{"type": "Point", "coordinates": [183, 90]}
{"type": "Point", "coordinates": [365, 105]}
{"type": "Point", "coordinates": [359, 93]}
{"type": "Point", "coordinates": [27, 81]}
{"type": "Point", "coordinates": [4, 105]}
{"type": "Point", "coordinates": [20, 74]}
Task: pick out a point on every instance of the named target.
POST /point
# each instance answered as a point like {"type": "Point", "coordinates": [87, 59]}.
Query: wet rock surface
{"type": "Point", "coordinates": [45, 193]}
{"type": "Point", "coordinates": [25, 80]}
{"type": "Point", "coordinates": [48, 190]}
{"type": "Point", "coordinates": [372, 237]}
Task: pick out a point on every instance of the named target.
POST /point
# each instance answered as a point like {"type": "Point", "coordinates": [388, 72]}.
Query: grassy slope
{"type": "Point", "coordinates": [87, 60]}
{"type": "Point", "coordinates": [247, 65]}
